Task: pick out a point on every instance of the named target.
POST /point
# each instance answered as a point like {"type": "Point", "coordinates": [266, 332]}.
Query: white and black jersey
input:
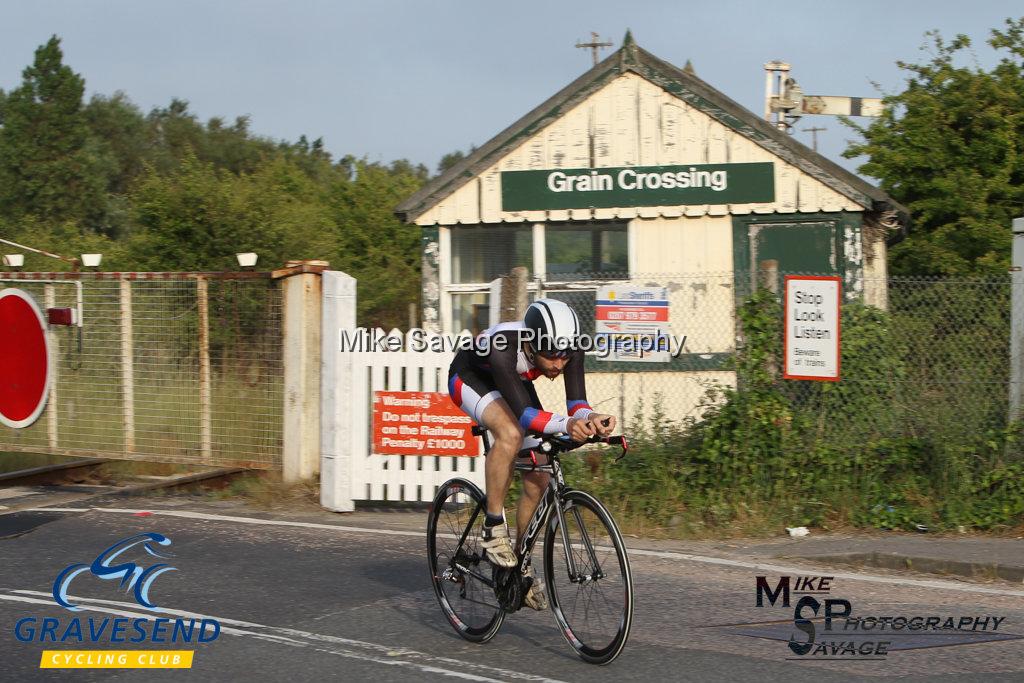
{"type": "Point", "coordinates": [498, 367]}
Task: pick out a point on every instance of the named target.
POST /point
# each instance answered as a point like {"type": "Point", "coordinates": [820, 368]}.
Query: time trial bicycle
{"type": "Point", "coordinates": [589, 586]}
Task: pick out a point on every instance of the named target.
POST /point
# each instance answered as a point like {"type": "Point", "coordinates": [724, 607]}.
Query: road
{"type": "Point", "coordinates": [349, 599]}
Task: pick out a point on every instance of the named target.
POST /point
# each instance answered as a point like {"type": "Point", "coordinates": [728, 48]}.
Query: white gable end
{"type": "Point", "coordinates": [632, 122]}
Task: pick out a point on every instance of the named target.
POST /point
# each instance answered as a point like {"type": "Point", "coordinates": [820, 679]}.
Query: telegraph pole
{"type": "Point", "coordinates": [813, 130]}
{"type": "Point", "coordinates": [595, 45]}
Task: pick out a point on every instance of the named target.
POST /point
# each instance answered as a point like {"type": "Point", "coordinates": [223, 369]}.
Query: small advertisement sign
{"type": "Point", "coordinates": [634, 322]}
{"type": "Point", "coordinates": [420, 423]}
{"type": "Point", "coordinates": [812, 327]}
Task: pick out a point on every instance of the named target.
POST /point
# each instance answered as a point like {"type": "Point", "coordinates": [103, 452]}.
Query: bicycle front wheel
{"type": "Point", "coordinates": [589, 584]}
{"type": "Point", "coordinates": [457, 565]}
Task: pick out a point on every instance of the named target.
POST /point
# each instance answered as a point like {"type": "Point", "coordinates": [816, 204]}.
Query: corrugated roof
{"type": "Point", "coordinates": [678, 82]}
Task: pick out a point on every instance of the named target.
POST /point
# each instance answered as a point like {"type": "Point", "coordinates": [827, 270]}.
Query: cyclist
{"type": "Point", "coordinates": [493, 384]}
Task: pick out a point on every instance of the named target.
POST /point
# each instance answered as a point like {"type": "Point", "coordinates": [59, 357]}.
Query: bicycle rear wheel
{"type": "Point", "coordinates": [457, 561]}
{"type": "Point", "coordinates": [591, 595]}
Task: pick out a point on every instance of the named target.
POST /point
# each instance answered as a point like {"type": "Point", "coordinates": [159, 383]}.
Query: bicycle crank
{"type": "Point", "coordinates": [508, 588]}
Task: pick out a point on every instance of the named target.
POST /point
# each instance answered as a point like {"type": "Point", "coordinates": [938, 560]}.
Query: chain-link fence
{"type": "Point", "coordinates": [917, 429]}
{"type": "Point", "coordinates": [934, 366]}
{"type": "Point", "coordinates": [702, 332]}
{"type": "Point", "coordinates": [937, 358]}
{"type": "Point", "coordinates": [175, 367]}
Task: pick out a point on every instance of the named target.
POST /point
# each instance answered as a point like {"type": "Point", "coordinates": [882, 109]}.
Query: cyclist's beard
{"type": "Point", "coordinates": [548, 368]}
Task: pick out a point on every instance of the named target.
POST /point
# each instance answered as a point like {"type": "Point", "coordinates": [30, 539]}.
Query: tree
{"type": "Point", "coordinates": [950, 147]}
{"type": "Point", "coordinates": [175, 133]}
{"type": "Point", "coordinates": [166, 191]}
{"type": "Point", "coordinates": [452, 158]}
{"type": "Point", "coordinates": [200, 216]}
{"type": "Point", "coordinates": [377, 249]}
{"type": "Point", "coordinates": [120, 139]}
{"type": "Point", "coordinates": [48, 165]}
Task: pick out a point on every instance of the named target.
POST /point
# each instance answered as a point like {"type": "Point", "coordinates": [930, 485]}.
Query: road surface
{"type": "Point", "coordinates": [348, 598]}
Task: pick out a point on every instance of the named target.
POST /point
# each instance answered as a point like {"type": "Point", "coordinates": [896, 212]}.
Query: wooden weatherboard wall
{"type": "Point", "coordinates": [631, 122]}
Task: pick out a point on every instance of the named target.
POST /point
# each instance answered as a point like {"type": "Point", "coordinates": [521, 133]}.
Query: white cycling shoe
{"type": "Point", "coordinates": [536, 598]}
{"type": "Point", "coordinates": [498, 546]}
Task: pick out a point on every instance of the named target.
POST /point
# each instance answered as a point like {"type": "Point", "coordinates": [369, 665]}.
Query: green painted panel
{"type": "Point", "coordinates": [807, 243]}
{"type": "Point", "coordinates": [798, 247]}
{"type": "Point", "coordinates": [583, 188]}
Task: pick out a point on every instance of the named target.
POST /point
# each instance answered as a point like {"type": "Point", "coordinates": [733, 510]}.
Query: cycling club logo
{"type": "Point", "coordinates": [127, 563]}
{"type": "Point", "coordinates": [133, 577]}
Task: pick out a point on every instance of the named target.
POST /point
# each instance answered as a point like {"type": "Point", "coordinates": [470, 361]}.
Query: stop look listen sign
{"type": "Point", "coordinates": [812, 327]}
{"type": "Point", "coordinates": [24, 359]}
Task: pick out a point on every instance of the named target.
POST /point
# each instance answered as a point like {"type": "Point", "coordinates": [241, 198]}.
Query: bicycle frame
{"type": "Point", "coordinates": [552, 496]}
{"type": "Point", "coordinates": [465, 575]}
{"type": "Point", "coordinates": [551, 499]}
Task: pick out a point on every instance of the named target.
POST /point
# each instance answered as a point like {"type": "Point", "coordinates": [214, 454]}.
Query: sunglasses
{"type": "Point", "coordinates": [552, 355]}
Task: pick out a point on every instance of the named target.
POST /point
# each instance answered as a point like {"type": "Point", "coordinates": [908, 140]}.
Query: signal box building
{"type": "Point", "coordinates": [638, 172]}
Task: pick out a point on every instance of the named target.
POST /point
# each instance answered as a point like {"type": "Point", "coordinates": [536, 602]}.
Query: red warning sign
{"type": "Point", "coordinates": [24, 359]}
{"type": "Point", "coordinates": [420, 423]}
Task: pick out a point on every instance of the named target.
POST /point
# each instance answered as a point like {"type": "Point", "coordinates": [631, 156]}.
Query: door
{"type": "Point", "coordinates": [797, 247]}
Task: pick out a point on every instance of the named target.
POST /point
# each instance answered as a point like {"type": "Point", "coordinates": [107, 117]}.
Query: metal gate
{"type": "Point", "coordinates": [166, 367]}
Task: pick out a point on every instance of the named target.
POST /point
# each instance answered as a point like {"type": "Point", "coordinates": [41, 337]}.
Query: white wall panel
{"type": "Point", "coordinates": [634, 123]}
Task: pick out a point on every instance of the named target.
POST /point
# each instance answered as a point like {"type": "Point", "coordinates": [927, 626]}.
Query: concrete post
{"type": "Point", "coordinates": [128, 369]}
{"type": "Point", "coordinates": [1017, 321]}
{"type": "Point", "coordinates": [337, 392]}
{"type": "Point", "coordinates": [768, 278]}
{"type": "Point", "coordinates": [514, 298]}
{"type": "Point", "coordinates": [301, 298]}
{"type": "Point", "coordinates": [205, 390]}
{"type": "Point", "coordinates": [768, 275]}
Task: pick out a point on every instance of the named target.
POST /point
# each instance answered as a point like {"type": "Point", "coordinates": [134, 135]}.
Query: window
{"type": "Point", "coordinates": [597, 250]}
{"type": "Point", "coordinates": [481, 253]}
{"type": "Point", "coordinates": [585, 251]}
{"type": "Point", "coordinates": [583, 301]}
{"type": "Point", "coordinates": [470, 312]}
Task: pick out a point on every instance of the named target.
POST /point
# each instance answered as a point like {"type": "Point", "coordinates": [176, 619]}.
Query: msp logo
{"type": "Point", "coordinates": [825, 627]}
{"type": "Point", "coordinates": [132, 575]}
{"type": "Point", "coordinates": [135, 576]}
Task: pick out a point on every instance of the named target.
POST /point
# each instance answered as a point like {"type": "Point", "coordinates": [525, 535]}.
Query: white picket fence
{"type": "Point", "coordinates": [400, 477]}
{"type": "Point", "coordinates": [350, 471]}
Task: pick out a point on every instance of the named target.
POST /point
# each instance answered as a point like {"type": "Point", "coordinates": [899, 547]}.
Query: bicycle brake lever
{"type": "Point", "coordinates": [625, 448]}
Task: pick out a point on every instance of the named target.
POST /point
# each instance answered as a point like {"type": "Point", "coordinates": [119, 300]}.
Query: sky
{"type": "Point", "coordinates": [385, 79]}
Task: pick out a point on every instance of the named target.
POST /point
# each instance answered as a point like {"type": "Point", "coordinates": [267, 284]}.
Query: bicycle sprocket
{"type": "Point", "coordinates": [509, 588]}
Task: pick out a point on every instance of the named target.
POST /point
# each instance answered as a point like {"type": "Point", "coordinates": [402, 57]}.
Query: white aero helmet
{"type": "Point", "coordinates": [555, 326]}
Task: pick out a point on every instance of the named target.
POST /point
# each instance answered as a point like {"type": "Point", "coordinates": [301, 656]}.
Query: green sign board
{"type": "Point", "coordinates": [604, 188]}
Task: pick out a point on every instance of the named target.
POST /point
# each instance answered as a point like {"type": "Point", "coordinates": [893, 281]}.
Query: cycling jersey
{"type": "Point", "coordinates": [498, 367]}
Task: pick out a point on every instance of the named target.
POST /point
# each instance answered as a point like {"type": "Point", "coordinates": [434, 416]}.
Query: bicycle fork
{"type": "Point", "coordinates": [570, 557]}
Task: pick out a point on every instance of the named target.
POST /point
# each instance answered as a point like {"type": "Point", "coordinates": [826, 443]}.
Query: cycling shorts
{"type": "Point", "coordinates": [471, 392]}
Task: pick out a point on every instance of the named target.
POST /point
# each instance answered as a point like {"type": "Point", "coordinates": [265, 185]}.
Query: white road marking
{"type": "Point", "coordinates": [345, 647]}
{"type": "Point", "coordinates": [17, 492]}
{"type": "Point", "coordinates": [811, 570]}
{"type": "Point", "coordinates": [796, 570]}
{"type": "Point", "coordinates": [239, 520]}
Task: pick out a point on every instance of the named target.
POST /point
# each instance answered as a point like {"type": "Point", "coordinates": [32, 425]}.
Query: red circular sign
{"type": "Point", "coordinates": [24, 359]}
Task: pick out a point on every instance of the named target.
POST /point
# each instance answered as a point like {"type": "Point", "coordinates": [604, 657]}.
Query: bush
{"type": "Point", "coordinates": [861, 451]}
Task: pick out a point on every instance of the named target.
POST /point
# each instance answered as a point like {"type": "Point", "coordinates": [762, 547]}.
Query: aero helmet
{"type": "Point", "coordinates": [554, 324]}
